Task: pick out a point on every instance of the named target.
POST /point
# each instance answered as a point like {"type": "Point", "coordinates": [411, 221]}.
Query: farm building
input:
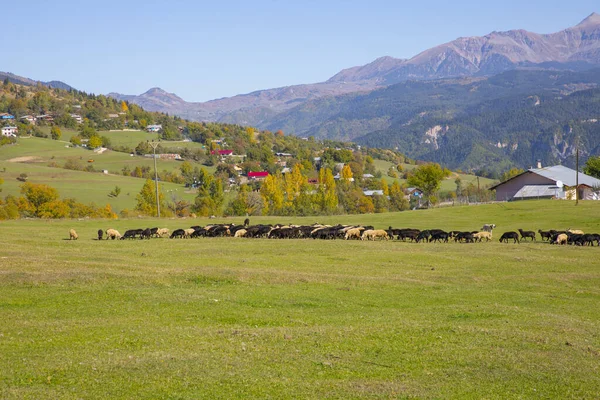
{"type": "Point", "coordinates": [556, 182]}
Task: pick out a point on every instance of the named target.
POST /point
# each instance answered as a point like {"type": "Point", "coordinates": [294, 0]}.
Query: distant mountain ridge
{"type": "Point", "coordinates": [30, 82]}
{"type": "Point", "coordinates": [575, 48]}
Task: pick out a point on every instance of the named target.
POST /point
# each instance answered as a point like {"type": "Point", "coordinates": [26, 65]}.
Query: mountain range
{"type": "Point", "coordinates": [575, 48]}
{"type": "Point", "coordinates": [30, 82]}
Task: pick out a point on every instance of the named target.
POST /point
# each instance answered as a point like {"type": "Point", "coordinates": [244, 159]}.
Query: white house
{"type": "Point", "coordinates": [153, 128]}
{"type": "Point", "coordinates": [77, 118]}
{"type": "Point", "coordinates": [9, 131]}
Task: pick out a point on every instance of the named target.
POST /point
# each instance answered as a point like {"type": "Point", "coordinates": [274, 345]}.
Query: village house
{"type": "Point", "coordinates": [257, 175]}
{"type": "Point", "coordinates": [556, 182]}
{"type": "Point", "coordinates": [9, 131]}
{"type": "Point", "coordinates": [28, 118]}
{"type": "Point", "coordinates": [78, 118]}
{"type": "Point", "coordinates": [153, 128]}
{"type": "Point", "coordinates": [6, 116]}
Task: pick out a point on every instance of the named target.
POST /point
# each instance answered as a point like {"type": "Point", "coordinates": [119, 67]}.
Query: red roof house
{"type": "Point", "coordinates": [258, 175]}
{"type": "Point", "coordinates": [222, 152]}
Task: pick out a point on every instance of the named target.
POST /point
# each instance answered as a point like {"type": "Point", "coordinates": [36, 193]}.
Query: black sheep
{"type": "Point", "coordinates": [510, 235]}
{"type": "Point", "coordinates": [100, 234]}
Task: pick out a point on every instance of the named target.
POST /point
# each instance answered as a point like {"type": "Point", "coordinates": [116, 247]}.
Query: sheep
{"type": "Point", "coordinates": [562, 238]}
{"type": "Point", "coordinates": [488, 227]}
{"type": "Point", "coordinates": [146, 233]}
{"type": "Point", "coordinates": [112, 234]}
{"type": "Point", "coordinates": [178, 233]}
{"type": "Point", "coordinates": [439, 235]}
{"type": "Point", "coordinates": [510, 235]}
{"type": "Point", "coordinates": [575, 231]}
{"type": "Point", "coordinates": [73, 234]}
{"type": "Point", "coordinates": [161, 232]}
{"type": "Point", "coordinates": [246, 222]}
{"type": "Point", "coordinates": [188, 232]}
{"type": "Point", "coordinates": [372, 234]}
{"type": "Point", "coordinates": [353, 233]}
{"type": "Point", "coordinates": [100, 234]}
{"type": "Point", "coordinates": [239, 233]}
{"type": "Point", "coordinates": [483, 235]}
{"type": "Point", "coordinates": [527, 234]}
{"type": "Point", "coordinates": [546, 235]}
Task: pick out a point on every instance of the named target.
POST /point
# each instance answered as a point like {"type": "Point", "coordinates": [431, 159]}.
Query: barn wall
{"type": "Point", "coordinates": [507, 190]}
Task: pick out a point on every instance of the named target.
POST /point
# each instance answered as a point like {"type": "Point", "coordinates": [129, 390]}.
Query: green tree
{"type": "Point", "coordinates": [511, 173]}
{"type": "Point", "coordinates": [55, 132]}
{"type": "Point", "coordinates": [75, 140]}
{"type": "Point", "coordinates": [146, 199]}
{"type": "Point", "coordinates": [592, 167]}
{"type": "Point", "coordinates": [398, 201]}
{"type": "Point", "coordinates": [428, 178]}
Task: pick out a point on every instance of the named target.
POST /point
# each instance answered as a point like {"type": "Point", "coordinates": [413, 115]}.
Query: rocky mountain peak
{"type": "Point", "coordinates": [591, 21]}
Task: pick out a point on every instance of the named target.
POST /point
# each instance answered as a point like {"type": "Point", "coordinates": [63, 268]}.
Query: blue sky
{"type": "Point", "coordinates": [204, 50]}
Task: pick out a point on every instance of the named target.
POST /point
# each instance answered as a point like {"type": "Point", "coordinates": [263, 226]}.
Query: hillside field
{"type": "Point", "coordinates": [34, 155]}
{"type": "Point", "coordinates": [258, 318]}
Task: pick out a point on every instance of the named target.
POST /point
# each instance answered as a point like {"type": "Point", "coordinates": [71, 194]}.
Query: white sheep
{"type": "Point", "coordinates": [373, 234]}
{"type": "Point", "coordinates": [562, 239]}
{"type": "Point", "coordinates": [163, 232]}
{"type": "Point", "coordinates": [575, 231]}
{"type": "Point", "coordinates": [112, 234]}
{"type": "Point", "coordinates": [353, 233]}
{"type": "Point", "coordinates": [483, 235]}
{"type": "Point", "coordinates": [73, 234]}
{"type": "Point", "coordinates": [188, 232]}
{"type": "Point", "coordinates": [240, 233]}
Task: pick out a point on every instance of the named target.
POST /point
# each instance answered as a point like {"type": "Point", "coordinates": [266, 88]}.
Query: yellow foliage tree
{"type": "Point", "coordinates": [124, 106]}
{"type": "Point", "coordinates": [272, 194]}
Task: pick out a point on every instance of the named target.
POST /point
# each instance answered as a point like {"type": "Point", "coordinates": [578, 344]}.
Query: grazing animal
{"type": "Point", "coordinates": [488, 227]}
{"type": "Point", "coordinates": [483, 235]}
{"type": "Point", "coordinates": [527, 234]}
{"type": "Point", "coordinates": [466, 236]}
{"type": "Point", "coordinates": [373, 234]}
{"type": "Point", "coordinates": [439, 236]}
{"type": "Point", "coordinates": [112, 234]}
{"type": "Point", "coordinates": [100, 234]}
{"type": "Point", "coordinates": [546, 235]}
{"type": "Point", "coordinates": [129, 234]}
{"type": "Point", "coordinates": [188, 232]}
{"type": "Point", "coordinates": [163, 232]}
{"type": "Point", "coordinates": [73, 234]}
{"type": "Point", "coordinates": [575, 231]}
{"type": "Point", "coordinates": [247, 222]}
{"type": "Point", "coordinates": [509, 235]}
{"type": "Point", "coordinates": [178, 233]}
{"type": "Point", "coordinates": [423, 236]}
{"type": "Point", "coordinates": [239, 233]}
{"type": "Point", "coordinates": [353, 233]}
{"type": "Point", "coordinates": [146, 233]}
{"type": "Point", "coordinates": [561, 238]}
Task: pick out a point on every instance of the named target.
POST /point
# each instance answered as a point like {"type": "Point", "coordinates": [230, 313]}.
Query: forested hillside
{"type": "Point", "coordinates": [513, 119]}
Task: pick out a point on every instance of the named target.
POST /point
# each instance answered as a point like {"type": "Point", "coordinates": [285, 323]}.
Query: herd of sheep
{"type": "Point", "coordinates": [349, 232]}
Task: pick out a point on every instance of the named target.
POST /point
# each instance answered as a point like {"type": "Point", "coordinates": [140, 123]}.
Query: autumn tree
{"type": "Point", "coordinates": [209, 200]}
{"type": "Point", "coordinates": [327, 197]}
{"type": "Point", "coordinates": [398, 201]}
{"type": "Point", "coordinates": [272, 194]}
{"type": "Point", "coordinates": [94, 142]}
{"type": "Point", "coordinates": [124, 106]}
{"type": "Point", "coordinates": [55, 132]}
{"type": "Point", "coordinates": [428, 178]}
{"type": "Point", "coordinates": [146, 199]}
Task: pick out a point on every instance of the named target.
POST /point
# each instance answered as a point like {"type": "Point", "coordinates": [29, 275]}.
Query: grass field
{"type": "Point", "coordinates": [33, 155]}
{"type": "Point", "coordinates": [243, 318]}
{"type": "Point", "coordinates": [447, 185]}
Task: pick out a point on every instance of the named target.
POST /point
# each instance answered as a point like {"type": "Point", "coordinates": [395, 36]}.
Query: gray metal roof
{"type": "Point", "coordinates": [566, 176]}
{"type": "Point", "coordinates": [529, 191]}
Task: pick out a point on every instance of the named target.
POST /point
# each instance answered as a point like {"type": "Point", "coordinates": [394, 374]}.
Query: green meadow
{"type": "Point", "coordinates": [258, 318]}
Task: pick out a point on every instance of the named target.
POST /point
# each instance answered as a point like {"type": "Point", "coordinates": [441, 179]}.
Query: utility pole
{"type": "Point", "coordinates": [154, 146]}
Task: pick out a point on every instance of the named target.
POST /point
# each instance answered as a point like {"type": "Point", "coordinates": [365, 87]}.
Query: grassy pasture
{"type": "Point", "coordinates": [33, 155]}
{"type": "Point", "coordinates": [447, 184]}
{"type": "Point", "coordinates": [243, 318]}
